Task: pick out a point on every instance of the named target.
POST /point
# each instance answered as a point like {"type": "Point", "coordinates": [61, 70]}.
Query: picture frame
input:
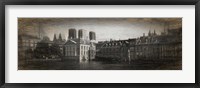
{"type": "Point", "coordinates": [98, 2]}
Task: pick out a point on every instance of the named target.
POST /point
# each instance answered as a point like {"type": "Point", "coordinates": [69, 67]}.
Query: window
{"type": "Point", "coordinates": [66, 49]}
{"type": "Point", "coordinates": [65, 53]}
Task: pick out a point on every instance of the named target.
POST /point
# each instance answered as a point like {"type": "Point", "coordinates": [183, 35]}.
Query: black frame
{"type": "Point", "coordinates": [3, 3]}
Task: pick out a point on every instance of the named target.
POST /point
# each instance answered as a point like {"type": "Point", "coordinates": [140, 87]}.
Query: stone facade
{"type": "Point", "coordinates": [167, 45]}
{"type": "Point", "coordinates": [80, 48]}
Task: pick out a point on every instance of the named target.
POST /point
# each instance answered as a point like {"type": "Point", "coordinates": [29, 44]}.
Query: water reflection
{"type": "Point", "coordinates": [90, 65]}
{"type": "Point", "coordinates": [101, 65]}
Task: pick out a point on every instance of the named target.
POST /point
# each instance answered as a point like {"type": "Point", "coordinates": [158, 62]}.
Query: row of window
{"type": "Point", "coordinates": [70, 48]}
{"type": "Point", "coordinates": [70, 53]}
{"type": "Point", "coordinates": [84, 47]}
{"type": "Point", "coordinates": [156, 47]}
{"type": "Point", "coordinates": [73, 51]}
{"type": "Point", "coordinates": [155, 54]}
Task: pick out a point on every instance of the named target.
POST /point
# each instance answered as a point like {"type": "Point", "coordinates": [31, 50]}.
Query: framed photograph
{"type": "Point", "coordinates": [98, 43]}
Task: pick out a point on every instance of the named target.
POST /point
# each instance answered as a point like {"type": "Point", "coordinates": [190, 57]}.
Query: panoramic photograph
{"type": "Point", "coordinates": [100, 43]}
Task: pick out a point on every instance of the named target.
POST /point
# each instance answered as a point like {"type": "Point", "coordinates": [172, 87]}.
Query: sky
{"type": "Point", "coordinates": [105, 28]}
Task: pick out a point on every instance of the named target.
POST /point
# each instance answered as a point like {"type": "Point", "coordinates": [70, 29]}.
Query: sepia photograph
{"type": "Point", "coordinates": [100, 43]}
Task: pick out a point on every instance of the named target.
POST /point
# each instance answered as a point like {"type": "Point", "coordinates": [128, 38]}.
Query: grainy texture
{"type": "Point", "coordinates": [100, 43]}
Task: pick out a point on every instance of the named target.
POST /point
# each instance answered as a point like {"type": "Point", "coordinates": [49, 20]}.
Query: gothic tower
{"type": "Point", "coordinates": [54, 38]}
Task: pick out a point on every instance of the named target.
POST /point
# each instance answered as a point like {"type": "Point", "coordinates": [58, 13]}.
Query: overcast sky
{"type": "Point", "coordinates": [105, 28]}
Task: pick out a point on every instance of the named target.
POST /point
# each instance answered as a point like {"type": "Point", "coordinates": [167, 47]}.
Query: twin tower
{"type": "Point", "coordinates": [82, 34]}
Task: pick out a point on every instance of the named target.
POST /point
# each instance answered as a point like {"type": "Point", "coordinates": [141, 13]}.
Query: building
{"type": "Point", "coordinates": [59, 42]}
{"type": "Point", "coordinates": [132, 46]}
{"type": "Point", "coordinates": [82, 34]}
{"type": "Point", "coordinates": [72, 34]}
{"type": "Point", "coordinates": [113, 50]}
{"type": "Point", "coordinates": [43, 49]}
{"type": "Point", "coordinates": [49, 50]}
{"type": "Point", "coordinates": [76, 49]}
{"type": "Point", "coordinates": [79, 48]}
{"type": "Point", "coordinates": [167, 45]}
{"type": "Point", "coordinates": [92, 49]}
{"type": "Point", "coordinates": [92, 35]}
{"type": "Point", "coordinates": [26, 45]}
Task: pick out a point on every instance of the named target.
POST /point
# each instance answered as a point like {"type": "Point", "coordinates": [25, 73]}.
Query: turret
{"type": "Point", "coordinates": [54, 38]}
{"type": "Point", "coordinates": [149, 33]}
{"type": "Point", "coordinates": [60, 37]}
{"type": "Point", "coordinates": [92, 35]}
{"type": "Point", "coordinates": [82, 34]}
{"type": "Point", "coordinates": [72, 33]}
{"type": "Point", "coordinates": [154, 33]}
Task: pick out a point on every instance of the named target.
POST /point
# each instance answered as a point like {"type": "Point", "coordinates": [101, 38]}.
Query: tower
{"type": "Point", "coordinates": [154, 33]}
{"type": "Point", "coordinates": [54, 38]}
{"type": "Point", "coordinates": [72, 34]}
{"type": "Point", "coordinates": [92, 35]}
{"type": "Point", "coordinates": [60, 37]}
{"type": "Point", "coordinates": [82, 34]}
{"type": "Point", "coordinates": [149, 33]}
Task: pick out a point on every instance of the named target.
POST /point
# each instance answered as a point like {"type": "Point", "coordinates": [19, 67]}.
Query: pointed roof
{"type": "Point", "coordinates": [70, 42]}
{"type": "Point", "coordinates": [60, 37]}
{"type": "Point", "coordinates": [149, 33]}
{"type": "Point", "coordinates": [154, 32]}
{"type": "Point", "coordinates": [54, 38]}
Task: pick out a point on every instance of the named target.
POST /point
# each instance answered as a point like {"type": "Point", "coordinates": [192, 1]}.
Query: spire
{"type": "Point", "coordinates": [154, 32]}
{"type": "Point", "coordinates": [60, 37]}
{"type": "Point", "coordinates": [54, 38]}
{"type": "Point", "coordinates": [149, 33]}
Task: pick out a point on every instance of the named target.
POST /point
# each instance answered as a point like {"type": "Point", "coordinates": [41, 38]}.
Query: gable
{"type": "Point", "coordinates": [70, 42]}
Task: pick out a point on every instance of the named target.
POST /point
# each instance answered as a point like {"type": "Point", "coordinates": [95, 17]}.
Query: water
{"type": "Point", "coordinates": [102, 65]}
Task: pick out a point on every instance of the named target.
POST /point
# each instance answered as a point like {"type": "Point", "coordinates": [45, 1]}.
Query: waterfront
{"type": "Point", "coordinates": [103, 65]}
{"type": "Point", "coordinates": [100, 46]}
